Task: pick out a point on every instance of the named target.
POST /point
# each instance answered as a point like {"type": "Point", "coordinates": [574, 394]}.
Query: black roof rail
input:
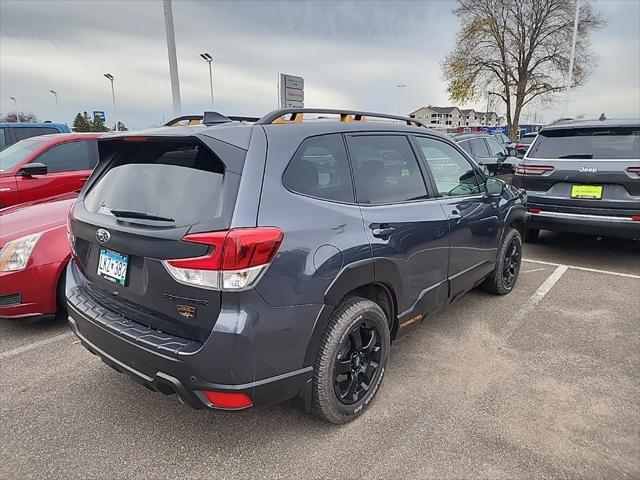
{"type": "Point", "coordinates": [237, 118]}
{"type": "Point", "coordinates": [296, 115]}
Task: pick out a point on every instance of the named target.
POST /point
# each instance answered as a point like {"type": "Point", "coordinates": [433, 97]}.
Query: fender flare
{"type": "Point", "coordinates": [352, 277]}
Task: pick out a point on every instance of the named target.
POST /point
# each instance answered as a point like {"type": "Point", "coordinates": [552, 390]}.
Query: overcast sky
{"type": "Point", "coordinates": [351, 54]}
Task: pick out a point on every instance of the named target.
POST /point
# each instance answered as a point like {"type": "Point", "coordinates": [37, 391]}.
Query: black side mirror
{"type": "Point", "coordinates": [31, 169]}
{"type": "Point", "coordinates": [495, 186]}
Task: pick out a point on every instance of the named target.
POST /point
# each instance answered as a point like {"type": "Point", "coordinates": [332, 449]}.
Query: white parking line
{"type": "Point", "coordinates": [31, 346]}
{"type": "Point", "coordinates": [575, 267]}
{"type": "Point", "coordinates": [539, 294]}
{"type": "Point", "coordinates": [534, 270]}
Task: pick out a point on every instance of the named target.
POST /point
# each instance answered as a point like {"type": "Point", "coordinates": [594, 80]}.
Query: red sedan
{"type": "Point", "coordinates": [34, 251]}
{"type": "Point", "coordinates": [44, 166]}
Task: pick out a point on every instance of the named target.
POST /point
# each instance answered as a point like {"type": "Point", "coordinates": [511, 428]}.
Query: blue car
{"type": "Point", "coordinates": [13, 132]}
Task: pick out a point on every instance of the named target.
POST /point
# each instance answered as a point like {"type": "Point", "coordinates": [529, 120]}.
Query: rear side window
{"type": "Point", "coordinates": [385, 169]}
{"type": "Point", "coordinates": [181, 181]}
{"type": "Point", "coordinates": [320, 169]}
{"type": "Point", "coordinates": [466, 147]}
{"type": "Point", "coordinates": [67, 157]}
{"type": "Point", "coordinates": [495, 148]}
{"type": "Point", "coordinates": [28, 132]}
{"type": "Point", "coordinates": [479, 148]}
{"type": "Point", "coordinates": [453, 173]}
{"type": "Point", "coordinates": [598, 143]}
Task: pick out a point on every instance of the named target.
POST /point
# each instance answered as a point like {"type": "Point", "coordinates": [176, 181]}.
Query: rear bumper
{"type": "Point", "coordinates": [228, 361]}
{"type": "Point", "coordinates": [588, 224]}
{"type": "Point", "coordinates": [175, 376]}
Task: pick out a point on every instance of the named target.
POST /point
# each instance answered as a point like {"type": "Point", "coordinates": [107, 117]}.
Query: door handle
{"type": "Point", "coordinates": [382, 230]}
{"type": "Point", "coordinates": [456, 216]}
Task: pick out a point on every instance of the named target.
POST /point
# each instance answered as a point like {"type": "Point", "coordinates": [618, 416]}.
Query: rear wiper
{"type": "Point", "coordinates": [577, 155]}
{"type": "Point", "coordinates": [140, 215]}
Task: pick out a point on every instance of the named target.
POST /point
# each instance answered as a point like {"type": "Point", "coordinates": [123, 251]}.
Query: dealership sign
{"type": "Point", "coordinates": [97, 113]}
{"type": "Point", "coordinates": [291, 91]}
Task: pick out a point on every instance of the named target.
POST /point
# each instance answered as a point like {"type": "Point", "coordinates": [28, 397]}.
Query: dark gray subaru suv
{"type": "Point", "coordinates": [584, 177]}
{"type": "Point", "coordinates": [242, 264]}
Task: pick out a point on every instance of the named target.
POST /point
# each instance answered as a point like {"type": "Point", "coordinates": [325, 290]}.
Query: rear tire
{"type": "Point", "coordinates": [351, 360]}
{"type": "Point", "coordinates": [509, 259]}
{"type": "Point", "coordinates": [532, 235]}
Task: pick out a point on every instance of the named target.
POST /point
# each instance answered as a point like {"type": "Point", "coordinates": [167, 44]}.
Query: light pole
{"type": "Point", "coordinates": [55, 94]}
{"type": "Point", "coordinates": [208, 58]}
{"type": "Point", "coordinates": [573, 54]}
{"type": "Point", "coordinates": [173, 59]}
{"type": "Point", "coordinates": [16, 104]}
{"type": "Point", "coordinates": [400, 87]}
{"type": "Point", "coordinates": [113, 96]}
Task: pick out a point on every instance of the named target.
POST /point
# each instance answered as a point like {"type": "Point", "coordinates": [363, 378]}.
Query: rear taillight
{"type": "Point", "coordinates": [534, 170]}
{"type": "Point", "coordinates": [633, 170]}
{"type": "Point", "coordinates": [534, 210]}
{"type": "Point", "coordinates": [635, 218]}
{"type": "Point", "coordinates": [236, 259]}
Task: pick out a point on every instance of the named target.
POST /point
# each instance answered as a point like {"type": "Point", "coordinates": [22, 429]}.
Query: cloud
{"type": "Point", "coordinates": [352, 54]}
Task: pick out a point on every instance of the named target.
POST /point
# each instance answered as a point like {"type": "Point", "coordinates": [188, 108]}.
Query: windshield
{"type": "Point", "coordinates": [16, 153]}
{"type": "Point", "coordinates": [604, 143]}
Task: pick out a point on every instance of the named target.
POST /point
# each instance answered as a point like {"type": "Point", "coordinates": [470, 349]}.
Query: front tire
{"type": "Point", "coordinates": [505, 276]}
{"type": "Point", "coordinates": [351, 360]}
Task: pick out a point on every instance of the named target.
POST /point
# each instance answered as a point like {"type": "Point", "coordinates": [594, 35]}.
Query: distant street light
{"type": "Point", "coordinates": [573, 54]}
{"type": "Point", "coordinates": [208, 58]}
{"type": "Point", "coordinates": [113, 96]}
{"type": "Point", "coordinates": [16, 104]}
{"type": "Point", "coordinates": [400, 87]}
{"type": "Point", "coordinates": [55, 94]}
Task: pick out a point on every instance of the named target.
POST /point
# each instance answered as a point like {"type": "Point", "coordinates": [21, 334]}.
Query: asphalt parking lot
{"type": "Point", "coordinates": [542, 383]}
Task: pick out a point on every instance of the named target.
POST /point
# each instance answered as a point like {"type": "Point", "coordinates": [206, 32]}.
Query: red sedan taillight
{"type": "Point", "coordinates": [534, 170]}
{"type": "Point", "coordinates": [236, 259]}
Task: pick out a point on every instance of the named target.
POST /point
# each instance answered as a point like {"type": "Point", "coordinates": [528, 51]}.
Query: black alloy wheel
{"type": "Point", "coordinates": [357, 362]}
{"type": "Point", "coordinates": [511, 263]}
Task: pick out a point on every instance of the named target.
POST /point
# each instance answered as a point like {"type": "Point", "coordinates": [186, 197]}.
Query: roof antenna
{"type": "Point", "coordinates": [602, 117]}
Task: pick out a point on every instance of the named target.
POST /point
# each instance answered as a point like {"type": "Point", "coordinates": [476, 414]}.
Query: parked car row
{"type": "Point", "coordinates": [45, 166]}
{"type": "Point", "coordinates": [201, 263]}
{"type": "Point", "coordinates": [12, 132]}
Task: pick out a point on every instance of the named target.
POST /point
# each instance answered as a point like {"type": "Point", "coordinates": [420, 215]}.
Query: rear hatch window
{"type": "Point", "coordinates": [619, 143]}
{"type": "Point", "coordinates": [175, 183]}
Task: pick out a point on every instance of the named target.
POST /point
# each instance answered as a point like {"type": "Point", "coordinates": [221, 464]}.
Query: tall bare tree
{"type": "Point", "coordinates": [518, 50]}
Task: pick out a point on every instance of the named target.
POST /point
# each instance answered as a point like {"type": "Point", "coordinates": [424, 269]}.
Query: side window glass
{"type": "Point", "coordinates": [495, 148]}
{"type": "Point", "coordinates": [385, 169]}
{"type": "Point", "coordinates": [320, 169]}
{"type": "Point", "coordinates": [3, 140]}
{"type": "Point", "coordinates": [466, 147]}
{"type": "Point", "coordinates": [479, 148]}
{"type": "Point", "coordinates": [28, 132]}
{"type": "Point", "coordinates": [66, 157]}
{"type": "Point", "coordinates": [453, 174]}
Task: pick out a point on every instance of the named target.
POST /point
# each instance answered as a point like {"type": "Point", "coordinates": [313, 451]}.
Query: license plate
{"type": "Point", "coordinates": [112, 266]}
{"type": "Point", "coordinates": [586, 191]}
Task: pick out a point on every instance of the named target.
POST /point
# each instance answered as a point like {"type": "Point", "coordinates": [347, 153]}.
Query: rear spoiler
{"type": "Point", "coordinates": [208, 118]}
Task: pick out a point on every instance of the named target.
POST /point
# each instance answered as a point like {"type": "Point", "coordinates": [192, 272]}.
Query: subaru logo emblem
{"type": "Point", "coordinates": [102, 235]}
